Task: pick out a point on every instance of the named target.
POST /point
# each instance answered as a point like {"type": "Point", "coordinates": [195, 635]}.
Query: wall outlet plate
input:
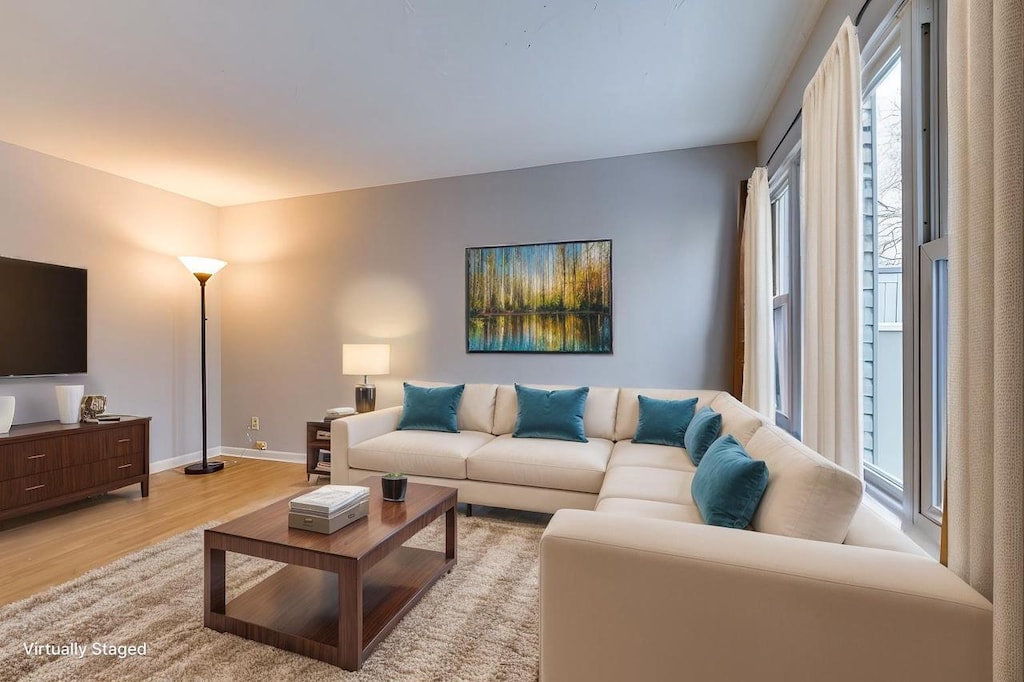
{"type": "Point", "coordinates": [254, 423]}
{"type": "Point", "coordinates": [261, 445]}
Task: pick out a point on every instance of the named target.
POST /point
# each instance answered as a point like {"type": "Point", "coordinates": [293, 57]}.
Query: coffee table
{"type": "Point", "coordinates": [339, 595]}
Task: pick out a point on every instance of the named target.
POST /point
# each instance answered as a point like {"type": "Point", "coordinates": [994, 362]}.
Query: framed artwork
{"type": "Point", "coordinates": [539, 298]}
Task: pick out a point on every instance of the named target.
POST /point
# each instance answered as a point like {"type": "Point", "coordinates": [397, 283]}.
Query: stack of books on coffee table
{"type": "Point", "coordinates": [329, 508]}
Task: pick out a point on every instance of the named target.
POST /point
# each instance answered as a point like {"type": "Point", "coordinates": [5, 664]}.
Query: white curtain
{"type": "Point", "coordinates": [831, 191]}
{"type": "Point", "coordinates": [985, 471]}
{"type": "Point", "coordinates": [758, 332]}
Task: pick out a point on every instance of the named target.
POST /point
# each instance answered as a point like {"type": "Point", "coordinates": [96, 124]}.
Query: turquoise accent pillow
{"type": "Point", "coordinates": [664, 422]}
{"type": "Point", "coordinates": [551, 414]}
{"type": "Point", "coordinates": [728, 484]}
{"type": "Point", "coordinates": [705, 427]}
{"type": "Point", "coordinates": [431, 409]}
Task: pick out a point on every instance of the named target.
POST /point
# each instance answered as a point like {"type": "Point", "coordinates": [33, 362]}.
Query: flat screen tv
{"type": "Point", "coordinates": [43, 318]}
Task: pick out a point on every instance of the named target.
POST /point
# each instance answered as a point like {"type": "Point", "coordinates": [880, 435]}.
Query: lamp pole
{"type": "Point", "coordinates": [205, 466]}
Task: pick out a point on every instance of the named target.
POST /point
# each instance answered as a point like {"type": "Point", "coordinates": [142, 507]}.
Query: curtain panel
{"type": "Point", "coordinates": [831, 211]}
{"type": "Point", "coordinates": [985, 470]}
{"type": "Point", "coordinates": [758, 330]}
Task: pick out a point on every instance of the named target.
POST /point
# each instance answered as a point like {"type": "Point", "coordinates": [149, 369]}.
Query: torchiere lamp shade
{"type": "Point", "coordinates": [366, 359]}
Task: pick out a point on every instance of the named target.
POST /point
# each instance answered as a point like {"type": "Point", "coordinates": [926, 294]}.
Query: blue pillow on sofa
{"type": "Point", "coordinates": [728, 484]}
{"type": "Point", "coordinates": [551, 414]}
{"type": "Point", "coordinates": [704, 428]}
{"type": "Point", "coordinates": [663, 422]}
{"type": "Point", "coordinates": [431, 409]}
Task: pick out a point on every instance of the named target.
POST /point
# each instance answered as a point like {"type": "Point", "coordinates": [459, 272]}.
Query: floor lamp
{"type": "Point", "coordinates": [203, 269]}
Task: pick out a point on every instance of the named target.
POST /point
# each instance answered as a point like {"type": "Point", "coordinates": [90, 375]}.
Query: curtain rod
{"type": "Point", "coordinates": [800, 111]}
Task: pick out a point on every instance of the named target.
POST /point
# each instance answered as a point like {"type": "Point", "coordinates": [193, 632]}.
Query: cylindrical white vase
{"type": "Point", "coordinates": [69, 402]}
{"type": "Point", "coordinates": [6, 413]}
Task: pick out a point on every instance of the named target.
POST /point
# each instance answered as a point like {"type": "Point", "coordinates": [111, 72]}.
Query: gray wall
{"type": "Point", "coordinates": [387, 265]}
{"type": "Point", "coordinates": [143, 304]}
{"type": "Point", "coordinates": [791, 98]}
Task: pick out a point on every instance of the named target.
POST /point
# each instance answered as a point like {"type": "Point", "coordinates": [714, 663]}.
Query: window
{"type": "Point", "coordinates": [785, 300]}
{"type": "Point", "coordinates": [905, 261]}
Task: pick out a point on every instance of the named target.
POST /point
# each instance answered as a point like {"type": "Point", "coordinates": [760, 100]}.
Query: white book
{"type": "Point", "coordinates": [329, 499]}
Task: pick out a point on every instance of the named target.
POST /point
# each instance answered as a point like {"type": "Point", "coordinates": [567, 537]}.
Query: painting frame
{"type": "Point", "coordinates": [599, 330]}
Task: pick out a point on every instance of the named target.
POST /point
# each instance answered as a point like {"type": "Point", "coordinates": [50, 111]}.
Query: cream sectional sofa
{"type": "Point", "coordinates": [635, 586]}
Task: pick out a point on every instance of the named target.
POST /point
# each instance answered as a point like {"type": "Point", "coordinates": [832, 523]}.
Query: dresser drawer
{"type": "Point", "coordinates": [24, 459]}
{"type": "Point", "coordinates": [116, 468]}
{"type": "Point", "coordinates": [31, 489]}
{"type": "Point", "coordinates": [127, 440]}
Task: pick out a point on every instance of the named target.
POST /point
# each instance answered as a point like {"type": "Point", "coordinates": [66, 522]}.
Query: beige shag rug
{"type": "Point", "coordinates": [480, 622]}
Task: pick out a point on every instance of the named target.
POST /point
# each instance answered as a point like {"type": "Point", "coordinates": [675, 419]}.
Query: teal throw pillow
{"type": "Point", "coordinates": [551, 414]}
{"type": "Point", "coordinates": [431, 409]}
{"type": "Point", "coordinates": [728, 484]}
{"type": "Point", "coordinates": [664, 422]}
{"type": "Point", "coordinates": [705, 427]}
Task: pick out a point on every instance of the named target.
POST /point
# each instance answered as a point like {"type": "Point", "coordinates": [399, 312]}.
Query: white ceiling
{"type": "Point", "coordinates": [235, 101]}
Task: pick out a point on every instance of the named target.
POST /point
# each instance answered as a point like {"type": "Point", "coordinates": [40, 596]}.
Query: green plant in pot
{"type": "Point", "coordinates": [393, 486]}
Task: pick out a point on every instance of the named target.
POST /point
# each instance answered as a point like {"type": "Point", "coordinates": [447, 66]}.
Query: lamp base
{"type": "Point", "coordinates": [200, 468]}
{"type": "Point", "coordinates": [366, 397]}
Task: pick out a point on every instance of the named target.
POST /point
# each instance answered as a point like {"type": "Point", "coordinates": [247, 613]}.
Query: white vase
{"type": "Point", "coordinates": [6, 413]}
{"type": "Point", "coordinates": [69, 402]}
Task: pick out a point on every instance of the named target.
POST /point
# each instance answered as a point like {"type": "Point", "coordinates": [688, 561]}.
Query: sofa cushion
{"type": "Point", "coordinates": [627, 411]}
{"type": "Point", "coordinates": [648, 509]}
{"type": "Point", "coordinates": [431, 409]}
{"type": "Point", "coordinates": [598, 414]}
{"type": "Point", "coordinates": [423, 453]}
{"type": "Point", "coordinates": [541, 463]}
{"type": "Point", "coordinates": [728, 484]}
{"type": "Point", "coordinates": [704, 430]}
{"type": "Point", "coordinates": [807, 495]}
{"type": "Point", "coordinates": [648, 483]}
{"type": "Point", "coordinates": [550, 414]}
{"type": "Point", "coordinates": [476, 411]}
{"type": "Point", "coordinates": [737, 418]}
{"type": "Point", "coordinates": [628, 453]}
{"type": "Point", "coordinates": [663, 422]}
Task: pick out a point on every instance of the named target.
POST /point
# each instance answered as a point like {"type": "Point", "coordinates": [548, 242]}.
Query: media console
{"type": "Point", "coordinates": [48, 464]}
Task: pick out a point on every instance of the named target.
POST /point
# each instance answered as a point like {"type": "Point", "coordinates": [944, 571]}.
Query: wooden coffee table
{"type": "Point", "coordinates": [340, 594]}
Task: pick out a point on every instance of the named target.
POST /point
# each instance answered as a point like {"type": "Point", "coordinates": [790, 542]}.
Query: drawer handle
{"type": "Point", "coordinates": [124, 466]}
{"type": "Point", "coordinates": [37, 456]}
{"type": "Point", "coordinates": [35, 487]}
{"type": "Point", "coordinates": [125, 440]}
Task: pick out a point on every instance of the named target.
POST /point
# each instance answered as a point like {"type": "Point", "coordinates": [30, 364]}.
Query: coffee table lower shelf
{"type": "Point", "coordinates": [297, 608]}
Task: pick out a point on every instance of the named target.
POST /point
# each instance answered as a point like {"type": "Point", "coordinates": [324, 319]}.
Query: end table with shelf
{"type": "Point", "coordinates": [314, 445]}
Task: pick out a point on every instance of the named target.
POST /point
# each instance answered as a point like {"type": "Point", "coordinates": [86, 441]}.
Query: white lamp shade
{"type": "Point", "coordinates": [365, 358]}
{"type": "Point", "coordinates": [202, 266]}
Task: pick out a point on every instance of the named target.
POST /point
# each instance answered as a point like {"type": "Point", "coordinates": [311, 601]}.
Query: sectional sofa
{"type": "Point", "coordinates": [635, 586]}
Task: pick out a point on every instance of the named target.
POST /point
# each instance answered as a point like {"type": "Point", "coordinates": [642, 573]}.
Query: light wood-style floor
{"type": "Point", "coordinates": [48, 548]}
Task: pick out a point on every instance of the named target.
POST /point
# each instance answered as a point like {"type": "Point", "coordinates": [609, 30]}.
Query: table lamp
{"type": "Point", "coordinates": [365, 359]}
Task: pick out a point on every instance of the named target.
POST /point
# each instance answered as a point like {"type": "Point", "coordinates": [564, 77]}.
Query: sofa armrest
{"type": "Point", "coordinates": [634, 598]}
{"type": "Point", "coordinates": [354, 430]}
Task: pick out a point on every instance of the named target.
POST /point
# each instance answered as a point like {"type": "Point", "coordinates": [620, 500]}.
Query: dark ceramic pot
{"type": "Point", "coordinates": [394, 488]}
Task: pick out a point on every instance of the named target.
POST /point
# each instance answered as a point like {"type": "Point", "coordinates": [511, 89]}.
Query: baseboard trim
{"type": "Point", "coordinates": [247, 453]}
{"type": "Point", "coordinates": [272, 455]}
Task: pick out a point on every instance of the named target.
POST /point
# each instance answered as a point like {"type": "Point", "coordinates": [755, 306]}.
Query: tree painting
{"type": "Point", "coordinates": [540, 298]}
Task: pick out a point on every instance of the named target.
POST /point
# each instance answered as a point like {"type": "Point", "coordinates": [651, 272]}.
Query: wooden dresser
{"type": "Point", "coordinates": [49, 464]}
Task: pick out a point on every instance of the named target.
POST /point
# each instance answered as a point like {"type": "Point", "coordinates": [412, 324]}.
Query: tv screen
{"type": "Point", "coordinates": [43, 318]}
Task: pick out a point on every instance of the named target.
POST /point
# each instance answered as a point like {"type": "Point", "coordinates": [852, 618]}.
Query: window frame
{"type": "Point", "coordinates": [786, 179]}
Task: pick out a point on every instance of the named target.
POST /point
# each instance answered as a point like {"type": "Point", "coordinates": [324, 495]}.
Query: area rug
{"type": "Point", "coordinates": [480, 622]}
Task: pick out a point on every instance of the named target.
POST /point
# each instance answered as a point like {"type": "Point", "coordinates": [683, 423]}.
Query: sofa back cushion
{"type": "Point", "coordinates": [598, 415]}
{"type": "Point", "coordinates": [628, 408]}
{"type": "Point", "coordinates": [476, 410]}
{"type": "Point", "coordinates": [807, 495]}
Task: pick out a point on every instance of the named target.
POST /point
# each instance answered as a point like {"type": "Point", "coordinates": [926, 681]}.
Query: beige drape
{"type": "Point", "coordinates": [758, 332]}
{"type": "Point", "coordinates": [986, 372]}
{"type": "Point", "coordinates": [831, 192]}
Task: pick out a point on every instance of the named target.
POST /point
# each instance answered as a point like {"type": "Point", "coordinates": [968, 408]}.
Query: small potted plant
{"type": "Point", "coordinates": [393, 486]}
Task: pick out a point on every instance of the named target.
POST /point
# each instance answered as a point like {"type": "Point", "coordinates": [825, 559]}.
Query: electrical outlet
{"type": "Point", "coordinates": [254, 423]}
{"type": "Point", "coordinates": [261, 445]}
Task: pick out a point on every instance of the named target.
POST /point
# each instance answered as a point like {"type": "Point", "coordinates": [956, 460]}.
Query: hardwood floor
{"type": "Point", "coordinates": [47, 548]}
